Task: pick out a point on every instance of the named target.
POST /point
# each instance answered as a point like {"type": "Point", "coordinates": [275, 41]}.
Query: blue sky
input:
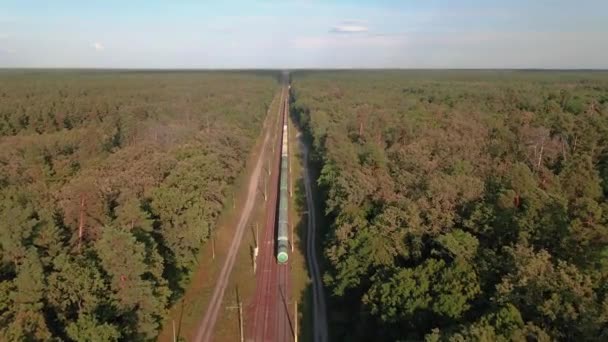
{"type": "Point", "coordinates": [304, 34]}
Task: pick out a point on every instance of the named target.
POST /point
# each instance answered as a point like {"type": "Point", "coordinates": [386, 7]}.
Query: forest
{"type": "Point", "coordinates": [461, 205]}
{"type": "Point", "coordinates": [110, 182]}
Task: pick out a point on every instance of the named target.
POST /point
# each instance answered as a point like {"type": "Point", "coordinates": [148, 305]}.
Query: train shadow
{"type": "Point", "coordinates": [305, 300]}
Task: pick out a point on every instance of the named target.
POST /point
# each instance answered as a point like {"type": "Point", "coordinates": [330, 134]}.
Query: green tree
{"type": "Point", "coordinates": [25, 317]}
{"type": "Point", "coordinates": [88, 329]}
{"type": "Point", "coordinates": [133, 294]}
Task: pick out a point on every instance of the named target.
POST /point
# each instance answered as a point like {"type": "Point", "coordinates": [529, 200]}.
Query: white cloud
{"type": "Point", "coordinates": [350, 26]}
{"type": "Point", "coordinates": [98, 46]}
{"type": "Point", "coordinates": [358, 42]}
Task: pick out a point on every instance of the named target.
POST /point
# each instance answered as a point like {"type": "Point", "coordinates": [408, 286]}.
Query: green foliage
{"type": "Point", "coordinates": [405, 293]}
{"type": "Point", "coordinates": [75, 285]}
{"type": "Point", "coordinates": [558, 296]}
{"type": "Point", "coordinates": [132, 292]}
{"type": "Point", "coordinates": [141, 164]}
{"type": "Point", "coordinates": [86, 328]}
{"type": "Point", "coordinates": [504, 325]}
{"type": "Point", "coordinates": [24, 316]}
{"type": "Point", "coordinates": [459, 244]}
{"type": "Point", "coordinates": [462, 205]}
{"type": "Point", "coordinates": [18, 220]}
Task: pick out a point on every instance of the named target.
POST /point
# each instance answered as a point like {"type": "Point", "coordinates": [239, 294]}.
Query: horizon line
{"type": "Point", "coordinates": [298, 69]}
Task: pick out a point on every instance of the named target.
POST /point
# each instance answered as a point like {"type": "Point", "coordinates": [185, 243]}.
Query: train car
{"type": "Point", "coordinates": [283, 223]}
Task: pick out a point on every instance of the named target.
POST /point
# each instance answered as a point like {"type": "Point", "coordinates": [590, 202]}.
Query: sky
{"type": "Point", "coordinates": [288, 34]}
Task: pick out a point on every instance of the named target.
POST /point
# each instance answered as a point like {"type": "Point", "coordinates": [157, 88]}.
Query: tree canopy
{"type": "Point", "coordinates": [110, 183]}
{"type": "Point", "coordinates": [462, 205]}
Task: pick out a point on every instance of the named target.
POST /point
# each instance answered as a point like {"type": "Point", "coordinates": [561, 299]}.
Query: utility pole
{"type": "Point", "coordinates": [265, 189]}
{"type": "Point", "coordinates": [295, 331]}
{"type": "Point", "coordinates": [213, 246]}
{"type": "Point", "coordinates": [255, 262]}
{"type": "Point", "coordinates": [174, 339]}
{"type": "Point", "coordinates": [255, 249]}
{"type": "Point", "coordinates": [241, 321]}
{"type": "Point", "coordinates": [292, 241]}
{"type": "Point", "coordinates": [239, 307]}
{"type": "Point", "coordinates": [262, 187]}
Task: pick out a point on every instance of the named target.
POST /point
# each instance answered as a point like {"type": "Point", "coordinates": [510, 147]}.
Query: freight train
{"type": "Point", "coordinates": [283, 223]}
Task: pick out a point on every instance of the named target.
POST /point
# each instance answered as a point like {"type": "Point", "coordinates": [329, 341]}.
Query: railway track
{"type": "Point", "coordinates": [285, 331]}
{"type": "Point", "coordinates": [270, 307]}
